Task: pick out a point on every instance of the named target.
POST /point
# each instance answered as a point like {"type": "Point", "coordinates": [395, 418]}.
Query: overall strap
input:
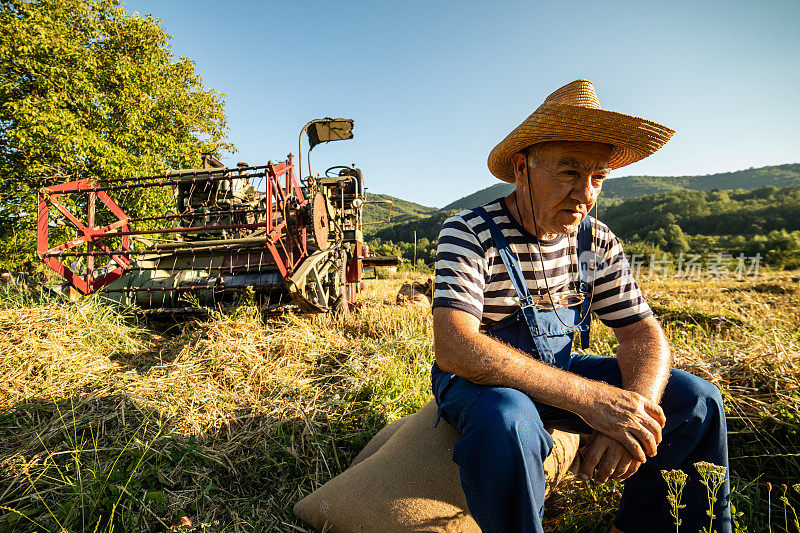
{"type": "Point", "coordinates": [529, 312]}
{"type": "Point", "coordinates": [508, 256]}
{"type": "Point", "coordinates": [585, 255]}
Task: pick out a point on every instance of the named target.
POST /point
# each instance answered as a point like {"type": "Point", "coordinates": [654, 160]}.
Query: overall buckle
{"type": "Point", "coordinates": [527, 301]}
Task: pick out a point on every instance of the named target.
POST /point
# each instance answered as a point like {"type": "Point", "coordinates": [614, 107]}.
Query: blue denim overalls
{"type": "Point", "coordinates": [504, 441]}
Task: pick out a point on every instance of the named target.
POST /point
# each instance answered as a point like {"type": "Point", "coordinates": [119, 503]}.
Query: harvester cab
{"type": "Point", "coordinates": [189, 239]}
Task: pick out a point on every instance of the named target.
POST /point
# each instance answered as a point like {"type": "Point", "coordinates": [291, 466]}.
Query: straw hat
{"type": "Point", "coordinates": [573, 113]}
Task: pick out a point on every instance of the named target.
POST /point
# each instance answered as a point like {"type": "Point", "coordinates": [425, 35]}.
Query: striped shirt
{"type": "Point", "coordinates": [470, 274]}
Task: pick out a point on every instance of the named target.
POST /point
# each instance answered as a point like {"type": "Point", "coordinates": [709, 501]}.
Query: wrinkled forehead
{"type": "Point", "coordinates": [584, 156]}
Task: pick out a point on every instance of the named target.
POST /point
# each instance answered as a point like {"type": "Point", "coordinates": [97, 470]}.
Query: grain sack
{"type": "Point", "coordinates": [410, 483]}
{"type": "Point", "coordinates": [379, 440]}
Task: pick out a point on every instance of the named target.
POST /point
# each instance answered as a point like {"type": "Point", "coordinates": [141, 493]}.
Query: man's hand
{"type": "Point", "coordinates": [604, 458]}
{"type": "Point", "coordinates": [628, 418]}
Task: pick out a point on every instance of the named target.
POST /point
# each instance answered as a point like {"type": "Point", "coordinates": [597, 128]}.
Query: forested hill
{"type": "Point", "coordinates": [734, 213]}
{"type": "Point", "coordinates": [616, 190]}
{"type": "Point", "coordinates": [739, 213]}
{"type": "Point", "coordinates": [426, 228]}
{"type": "Point", "coordinates": [402, 211]}
{"type": "Point", "coordinates": [749, 179]}
{"type": "Point", "coordinates": [763, 221]}
{"type": "Point", "coordinates": [481, 197]}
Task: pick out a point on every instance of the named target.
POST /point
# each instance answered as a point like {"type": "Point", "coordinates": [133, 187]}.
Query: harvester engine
{"type": "Point", "coordinates": [221, 231]}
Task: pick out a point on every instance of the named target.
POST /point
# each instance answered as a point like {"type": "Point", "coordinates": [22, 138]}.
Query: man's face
{"type": "Point", "coordinates": [563, 178]}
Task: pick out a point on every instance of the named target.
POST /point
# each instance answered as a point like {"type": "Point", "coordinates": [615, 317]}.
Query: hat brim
{"type": "Point", "coordinates": [633, 138]}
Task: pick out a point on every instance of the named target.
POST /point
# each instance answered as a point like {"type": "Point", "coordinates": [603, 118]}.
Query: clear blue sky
{"type": "Point", "coordinates": [434, 85]}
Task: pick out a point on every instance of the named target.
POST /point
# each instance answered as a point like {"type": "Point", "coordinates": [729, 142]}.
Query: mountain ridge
{"type": "Point", "coordinates": [615, 190]}
{"type": "Point", "coordinates": [751, 211]}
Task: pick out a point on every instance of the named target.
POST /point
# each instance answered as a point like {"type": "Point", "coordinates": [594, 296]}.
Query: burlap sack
{"type": "Point", "coordinates": [379, 440]}
{"type": "Point", "coordinates": [410, 483]}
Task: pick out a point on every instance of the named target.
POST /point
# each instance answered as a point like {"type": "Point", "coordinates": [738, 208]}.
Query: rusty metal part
{"type": "Point", "coordinates": [382, 260]}
{"type": "Point", "coordinates": [320, 224]}
{"type": "Point", "coordinates": [322, 130]}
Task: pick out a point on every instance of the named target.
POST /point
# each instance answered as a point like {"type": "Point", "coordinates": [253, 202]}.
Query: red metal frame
{"type": "Point", "coordinates": [355, 271]}
{"type": "Point", "coordinates": [286, 250]}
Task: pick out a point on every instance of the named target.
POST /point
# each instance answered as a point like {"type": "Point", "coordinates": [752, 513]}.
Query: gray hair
{"type": "Point", "coordinates": [532, 154]}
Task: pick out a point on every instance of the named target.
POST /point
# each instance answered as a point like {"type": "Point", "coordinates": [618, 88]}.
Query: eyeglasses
{"type": "Point", "coordinates": [547, 301]}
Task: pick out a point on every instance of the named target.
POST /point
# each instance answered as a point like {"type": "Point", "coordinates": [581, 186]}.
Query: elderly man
{"type": "Point", "coordinates": [516, 279]}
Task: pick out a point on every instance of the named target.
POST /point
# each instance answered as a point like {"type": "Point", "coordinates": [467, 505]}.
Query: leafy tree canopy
{"type": "Point", "coordinates": [87, 91]}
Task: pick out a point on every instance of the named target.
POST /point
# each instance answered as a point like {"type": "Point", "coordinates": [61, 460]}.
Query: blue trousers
{"type": "Point", "coordinates": [504, 443]}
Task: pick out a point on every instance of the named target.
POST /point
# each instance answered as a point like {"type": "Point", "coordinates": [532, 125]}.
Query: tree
{"type": "Point", "coordinates": [675, 240]}
{"type": "Point", "coordinates": [657, 238]}
{"type": "Point", "coordinates": [89, 91]}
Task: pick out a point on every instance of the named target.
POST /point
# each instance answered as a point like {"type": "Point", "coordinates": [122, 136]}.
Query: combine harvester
{"type": "Point", "coordinates": [251, 228]}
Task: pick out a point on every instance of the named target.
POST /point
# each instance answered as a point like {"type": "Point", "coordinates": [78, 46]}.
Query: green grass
{"type": "Point", "coordinates": [224, 423]}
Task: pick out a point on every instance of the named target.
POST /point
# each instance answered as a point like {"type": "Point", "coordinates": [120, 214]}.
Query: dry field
{"type": "Point", "coordinates": [223, 423]}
